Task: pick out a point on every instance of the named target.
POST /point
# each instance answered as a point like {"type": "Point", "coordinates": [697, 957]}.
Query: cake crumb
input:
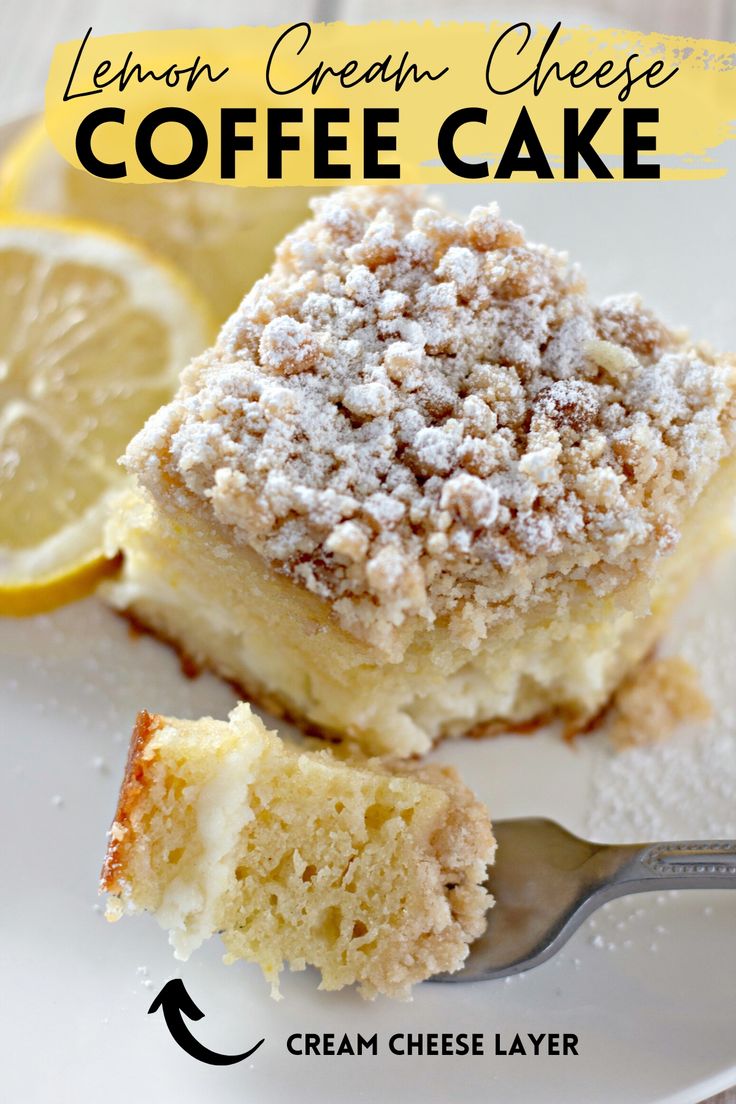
{"type": "Point", "coordinates": [657, 697]}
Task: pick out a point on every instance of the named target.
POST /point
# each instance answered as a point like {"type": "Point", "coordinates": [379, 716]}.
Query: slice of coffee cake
{"type": "Point", "coordinates": [371, 872]}
{"type": "Point", "coordinates": [423, 485]}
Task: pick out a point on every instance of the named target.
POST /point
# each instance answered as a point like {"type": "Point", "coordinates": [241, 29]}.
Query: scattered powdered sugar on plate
{"type": "Point", "coordinates": [686, 786]}
{"type": "Point", "coordinates": [144, 977]}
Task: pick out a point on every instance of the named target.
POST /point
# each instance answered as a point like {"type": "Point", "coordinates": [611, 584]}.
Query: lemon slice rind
{"type": "Point", "coordinates": [67, 563]}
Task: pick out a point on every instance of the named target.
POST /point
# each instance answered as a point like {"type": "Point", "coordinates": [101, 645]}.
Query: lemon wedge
{"type": "Point", "coordinates": [93, 334]}
{"type": "Point", "coordinates": [222, 237]}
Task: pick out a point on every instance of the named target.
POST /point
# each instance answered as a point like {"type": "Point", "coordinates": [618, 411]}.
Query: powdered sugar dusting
{"type": "Point", "coordinates": [421, 416]}
{"type": "Point", "coordinates": [685, 787]}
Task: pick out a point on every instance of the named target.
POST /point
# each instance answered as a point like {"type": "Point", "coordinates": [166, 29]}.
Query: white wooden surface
{"type": "Point", "coordinates": [29, 29]}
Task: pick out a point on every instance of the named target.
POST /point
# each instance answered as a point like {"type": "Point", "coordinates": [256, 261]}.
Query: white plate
{"type": "Point", "coordinates": [648, 985]}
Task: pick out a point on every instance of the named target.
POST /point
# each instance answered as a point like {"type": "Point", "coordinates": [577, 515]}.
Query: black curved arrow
{"type": "Point", "coordinates": [173, 1000]}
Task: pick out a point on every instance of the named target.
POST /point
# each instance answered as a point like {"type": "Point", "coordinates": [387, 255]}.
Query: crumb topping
{"type": "Point", "coordinates": [416, 415]}
{"type": "Point", "coordinates": [654, 699]}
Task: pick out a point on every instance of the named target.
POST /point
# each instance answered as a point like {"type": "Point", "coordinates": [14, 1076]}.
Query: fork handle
{"type": "Point", "coordinates": [686, 864]}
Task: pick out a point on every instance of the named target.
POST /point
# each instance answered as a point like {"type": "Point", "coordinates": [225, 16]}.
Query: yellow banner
{"type": "Point", "coordinates": [409, 102]}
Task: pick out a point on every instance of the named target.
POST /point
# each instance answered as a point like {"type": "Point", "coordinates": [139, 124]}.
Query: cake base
{"type": "Point", "coordinates": [225, 609]}
{"type": "Point", "coordinates": [373, 872]}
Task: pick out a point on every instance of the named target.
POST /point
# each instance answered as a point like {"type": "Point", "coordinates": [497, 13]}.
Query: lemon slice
{"type": "Point", "coordinates": [222, 237]}
{"type": "Point", "coordinates": [93, 333]}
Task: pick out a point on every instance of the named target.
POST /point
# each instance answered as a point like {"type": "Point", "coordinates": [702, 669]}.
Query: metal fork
{"type": "Point", "coordinates": [546, 881]}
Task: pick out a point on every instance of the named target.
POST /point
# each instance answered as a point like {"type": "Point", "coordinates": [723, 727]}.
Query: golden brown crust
{"type": "Point", "coordinates": [132, 790]}
{"type": "Point", "coordinates": [136, 627]}
{"type": "Point", "coordinates": [499, 727]}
